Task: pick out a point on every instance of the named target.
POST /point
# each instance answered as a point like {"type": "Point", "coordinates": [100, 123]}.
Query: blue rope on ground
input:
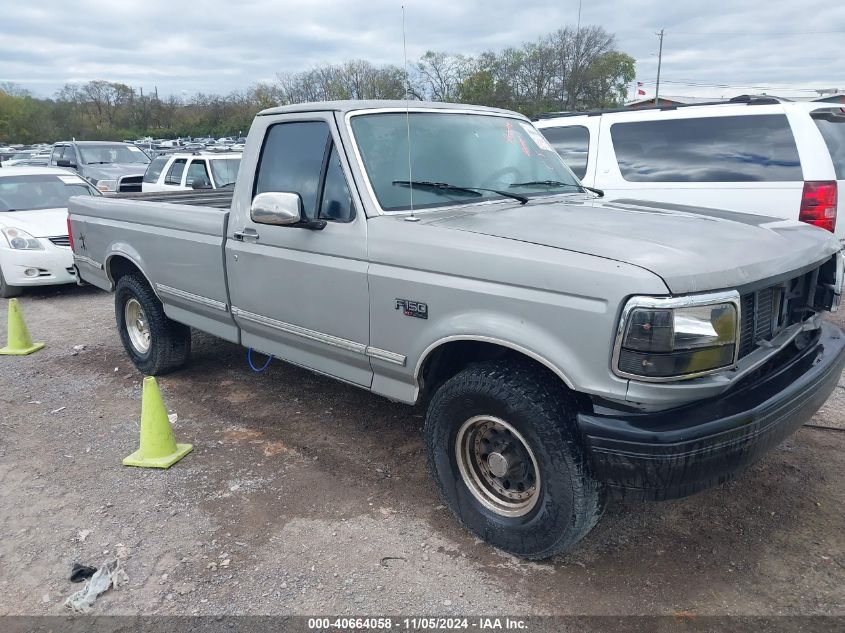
{"type": "Point", "coordinates": [252, 366]}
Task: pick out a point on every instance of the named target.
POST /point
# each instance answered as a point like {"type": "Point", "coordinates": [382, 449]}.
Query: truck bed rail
{"type": "Point", "coordinates": [218, 198]}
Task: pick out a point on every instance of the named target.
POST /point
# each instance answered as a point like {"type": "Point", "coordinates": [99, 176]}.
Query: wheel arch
{"type": "Point", "coordinates": [450, 354]}
{"type": "Point", "coordinates": [120, 263]}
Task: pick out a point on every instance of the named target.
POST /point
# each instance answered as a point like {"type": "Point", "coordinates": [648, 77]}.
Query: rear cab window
{"type": "Point", "coordinates": [572, 143]}
{"type": "Point", "coordinates": [831, 124]}
{"type": "Point", "coordinates": [747, 148]}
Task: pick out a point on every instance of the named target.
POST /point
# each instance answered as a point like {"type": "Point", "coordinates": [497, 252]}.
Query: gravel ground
{"type": "Point", "coordinates": [304, 495]}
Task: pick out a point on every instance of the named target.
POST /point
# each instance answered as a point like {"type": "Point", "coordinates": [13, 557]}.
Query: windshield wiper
{"type": "Point", "coordinates": [99, 162]}
{"type": "Point", "coordinates": [447, 188]}
{"type": "Point", "coordinates": [545, 183]}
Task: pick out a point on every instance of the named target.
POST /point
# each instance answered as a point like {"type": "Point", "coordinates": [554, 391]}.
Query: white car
{"type": "Point", "coordinates": [755, 155]}
{"type": "Point", "coordinates": [182, 171]}
{"type": "Point", "coordinates": [34, 242]}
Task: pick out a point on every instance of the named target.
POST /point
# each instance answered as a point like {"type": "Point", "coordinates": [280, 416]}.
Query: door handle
{"type": "Point", "coordinates": [246, 235]}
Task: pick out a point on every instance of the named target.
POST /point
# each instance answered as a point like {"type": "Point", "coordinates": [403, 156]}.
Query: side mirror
{"type": "Point", "coordinates": [276, 207]}
{"type": "Point", "coordinates": [599, 192]}
{"type": "Point", "coordinates": [63, 162]}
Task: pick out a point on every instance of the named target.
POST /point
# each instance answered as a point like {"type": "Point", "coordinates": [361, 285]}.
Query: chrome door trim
{"type": "Point", "coordinates": [321, 337]}
{"type": "Point", "coordinates": [296, 330]}
{"type": "Point", "coordinates": [386, 356]}
{"type": "Point", "coordinates": [87, 260]}
{"type": "Point", "coordinates": [189, 296]}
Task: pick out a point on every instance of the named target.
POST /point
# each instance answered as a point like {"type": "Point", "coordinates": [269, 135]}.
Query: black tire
{"type": "Point", "coordinates": [7, 291]}
{"type": "Point", "coordinates": [535, 404]}
{"type": "Point", "coordinates": [169, 341]}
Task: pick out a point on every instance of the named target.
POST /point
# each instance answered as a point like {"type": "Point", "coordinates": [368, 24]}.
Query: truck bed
{"type": "Point", "coordinates": [176, 239]}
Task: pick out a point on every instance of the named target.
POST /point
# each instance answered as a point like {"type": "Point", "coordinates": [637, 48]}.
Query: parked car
{"type": "Point", "coordinates": [564, 348]}
{"type": "Point", "coordinates": [34, 243]}
{"type": "Point", "coordinates": [27, 157]}
{"type": "Point", "coordinates": [109, 166]}
{"type": "Point", "coordinates": [180, 171]}
{"type": "Point", "coordinates": [754, 155]}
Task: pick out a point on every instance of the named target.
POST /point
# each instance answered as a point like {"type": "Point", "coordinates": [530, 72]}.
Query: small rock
{"type": "Point", "coordinates": [447, 603]}
{"type": "Point", "coordinates": [170, 596]}
{"type": "Point", "coordinates": [45, 598]}
{"type": "Point", "coordinates": [78, 348]}
{"type": "Point", "coordinates": [225, 563]}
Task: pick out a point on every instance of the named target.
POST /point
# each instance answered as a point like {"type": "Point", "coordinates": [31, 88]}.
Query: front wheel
{"type": "Point", "coordinates": [503, 447]}
{"type": "Point", "coordinates": [155, 344]}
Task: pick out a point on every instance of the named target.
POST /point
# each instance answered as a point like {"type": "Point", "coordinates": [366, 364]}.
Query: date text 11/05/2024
{"type": "Point", "coordinates": [418, 624]}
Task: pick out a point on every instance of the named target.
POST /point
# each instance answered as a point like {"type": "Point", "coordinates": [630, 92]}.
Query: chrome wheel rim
{"type": "Point", "coordinates": [137, 326]}
{"type": "Point", "coordinates": [498, 466]}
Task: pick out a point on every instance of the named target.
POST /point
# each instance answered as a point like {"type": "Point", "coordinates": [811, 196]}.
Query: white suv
{"type": "Point", "coordinates": [757, 155]}
{"type": "Point", "coordinates": [181, 171]}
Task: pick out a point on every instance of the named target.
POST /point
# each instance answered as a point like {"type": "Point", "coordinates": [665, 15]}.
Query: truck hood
{"type": "Point", "coordinates": [40, 223]}
{"type": "Point", "coordinates": [113, 171]}
{"type": "Point", "coordinates": [693, 249]}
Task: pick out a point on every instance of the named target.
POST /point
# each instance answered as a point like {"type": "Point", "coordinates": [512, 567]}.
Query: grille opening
{"type": "Point", "coordinates": [767, 311]}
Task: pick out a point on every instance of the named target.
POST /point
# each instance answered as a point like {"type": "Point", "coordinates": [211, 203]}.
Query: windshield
{"type": "Point", "coordinates": [112, 153]}
{"type": "Point", "coordinates": [461, 150]}
{"type": "Point", "coordinates": [41, 191]}
{"type": "Point", "coordinates": [225, 170]}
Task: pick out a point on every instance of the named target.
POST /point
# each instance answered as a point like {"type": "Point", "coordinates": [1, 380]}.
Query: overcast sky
{"type": "Point", "coordinates": [717, 48]}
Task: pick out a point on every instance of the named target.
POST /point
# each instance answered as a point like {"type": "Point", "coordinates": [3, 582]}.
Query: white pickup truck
{"type": "Point", "coordinates": [567, 349]}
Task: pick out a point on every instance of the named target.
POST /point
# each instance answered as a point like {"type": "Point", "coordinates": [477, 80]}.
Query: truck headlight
{"type": "Point", "coordinates": [21, 240]}
{"type": "Point", "coordinates": [676, 338]}
{"type": "Point", "coordinates": [105, 185]}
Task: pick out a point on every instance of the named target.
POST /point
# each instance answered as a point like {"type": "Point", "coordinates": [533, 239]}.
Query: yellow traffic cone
{"type": "Point", "coordinates": [20, 343]}
{"type": "Point", "coordinates": [158, 446]}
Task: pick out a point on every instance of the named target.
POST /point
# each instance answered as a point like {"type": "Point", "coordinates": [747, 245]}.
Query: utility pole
{"type": "Point", "coordinates": [659, 61]}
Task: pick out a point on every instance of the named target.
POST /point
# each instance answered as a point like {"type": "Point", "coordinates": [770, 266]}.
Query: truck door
{"type": "Point", "coordinates": [298, 293]}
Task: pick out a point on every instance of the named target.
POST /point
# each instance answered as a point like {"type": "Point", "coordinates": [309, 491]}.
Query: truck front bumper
{"type": "Point", "coordinates": [677, 452]}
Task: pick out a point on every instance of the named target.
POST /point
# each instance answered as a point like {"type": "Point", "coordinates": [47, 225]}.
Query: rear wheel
{"type": "Point", "coordinates": [504, 449]}
{"type": "Point", "coordinates": [7, 291]}
{"type": "Point", "coordinates": [155, 344]}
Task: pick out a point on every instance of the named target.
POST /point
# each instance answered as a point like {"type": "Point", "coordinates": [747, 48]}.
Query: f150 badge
{"type": "Point", "coordinates": [410, 308]}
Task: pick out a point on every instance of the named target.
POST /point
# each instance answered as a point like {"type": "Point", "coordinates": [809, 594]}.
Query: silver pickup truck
{"type": "Point", "coordinates": [567, 349]}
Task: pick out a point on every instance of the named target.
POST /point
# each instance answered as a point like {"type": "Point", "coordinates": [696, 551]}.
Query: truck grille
{"type": "Point", "coordinates": [129, 184]}
{"type": "Point", "coordinates": [767, 311]}
{"type": "Point", "coordinates": [60, 240]}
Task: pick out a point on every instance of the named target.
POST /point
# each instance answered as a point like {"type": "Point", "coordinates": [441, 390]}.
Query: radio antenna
{"type": "Point", "coordinates": [412, 217]}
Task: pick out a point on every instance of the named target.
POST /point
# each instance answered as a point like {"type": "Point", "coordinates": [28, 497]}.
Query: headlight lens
{"type": "Point", "coordinates": [21, 240]}
{"type": "Point", "coordinates": [106, 185]}
{"type": "Point", "coordinates": [662, 343]}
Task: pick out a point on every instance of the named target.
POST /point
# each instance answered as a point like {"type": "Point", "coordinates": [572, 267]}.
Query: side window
{"type": "Point", "coordinates": [57, 154]}
{"type": "Point", "coordinates": [174, 174]}
{"type": "Point", "coordinates": [832, 127]}
{"type": "Point", "coordinates": [155, 168]}
{"type": "Point", "coordinates": [757, 147]}
{"type": "Point", "coordinates": [572, 143]}
{"type": "Point", "coordinates": [292, 160]}
{"type": "Point", "coordinates": [336, 203]}
{"type": "Point", "coordinates": [198, 175]}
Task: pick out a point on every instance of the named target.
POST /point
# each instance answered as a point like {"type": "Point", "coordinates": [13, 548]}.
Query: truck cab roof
{"type": "Point", "coordinates": [345, 106]}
